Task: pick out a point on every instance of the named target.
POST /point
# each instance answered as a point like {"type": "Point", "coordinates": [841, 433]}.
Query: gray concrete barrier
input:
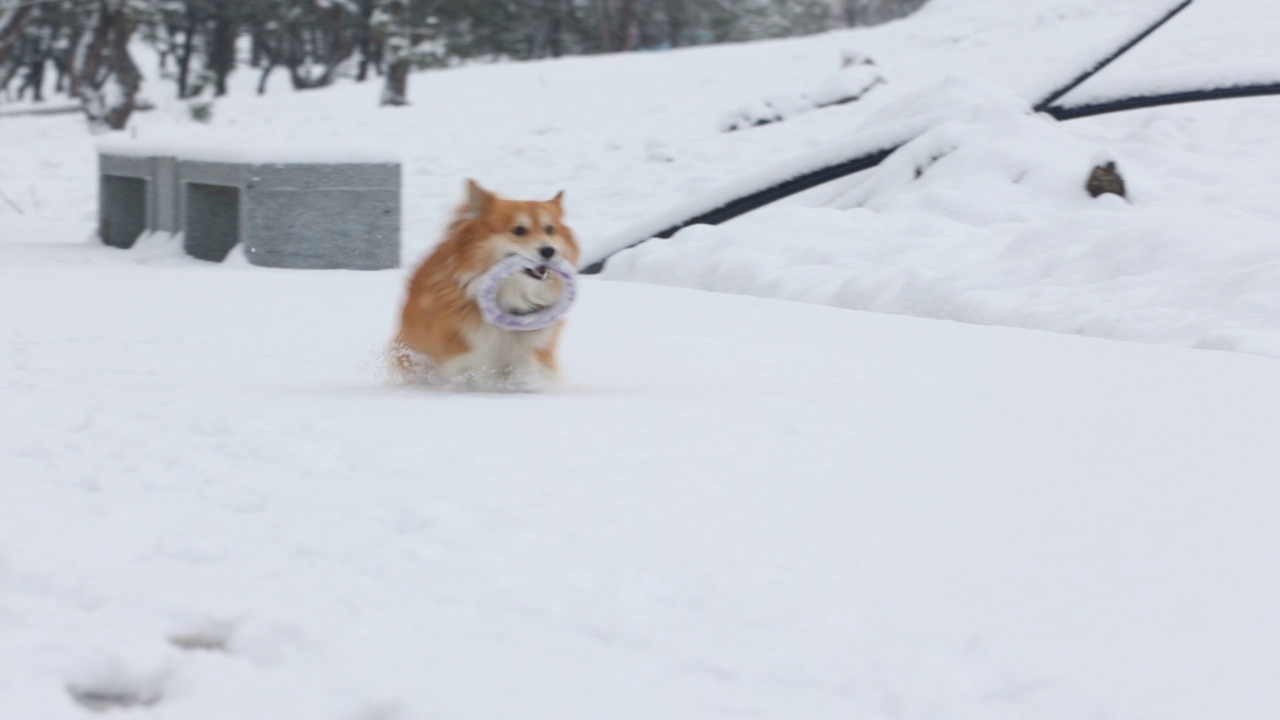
{"type": "Point", "coordinates": [295, 214]}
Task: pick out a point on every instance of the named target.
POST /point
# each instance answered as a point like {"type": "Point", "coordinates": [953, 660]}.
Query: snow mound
{"type": "Point", "coordinates": [985, 219]}
{"type": "Point", "coordinates": [848, 85]}
{"type": "Point", "coordinates": [765, 112]}
{"type": "Point", "coordinates": [845, 86]}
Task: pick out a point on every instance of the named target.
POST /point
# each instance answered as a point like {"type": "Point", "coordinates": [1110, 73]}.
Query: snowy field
{"type": "Point", "coordinates": [212, 506]}
{"type": "Point", "coordinates": [733, 508]}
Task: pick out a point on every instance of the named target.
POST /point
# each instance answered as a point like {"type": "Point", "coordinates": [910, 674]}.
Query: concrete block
{"type": "Point", "coordinates": [212, 221]}
{"type": "Point", "coordinates": [122, 216]}
{"type": "Point", "coordinates": [323, 216]}
{"type": "Point", "coordinates": [290, 215]}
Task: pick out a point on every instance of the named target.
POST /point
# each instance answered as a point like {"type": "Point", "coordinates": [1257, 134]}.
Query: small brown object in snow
{"type": "Point", "coordinates": [1106, 179]}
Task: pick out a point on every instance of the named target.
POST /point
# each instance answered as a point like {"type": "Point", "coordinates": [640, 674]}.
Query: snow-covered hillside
{"type": "Point", "coordinates": [984, 217]}
{"type": "Point", "coordinates": [212, 507]}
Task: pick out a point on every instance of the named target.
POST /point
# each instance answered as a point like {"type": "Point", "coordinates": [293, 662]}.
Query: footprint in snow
{"type": "Point", "coordinates": [109, 684]}
{"type": "Point", "coordinates": [204, 633]}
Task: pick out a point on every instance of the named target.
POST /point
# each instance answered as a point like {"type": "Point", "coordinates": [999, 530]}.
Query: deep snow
{"type": "Point", "coordinates": [733, 507]}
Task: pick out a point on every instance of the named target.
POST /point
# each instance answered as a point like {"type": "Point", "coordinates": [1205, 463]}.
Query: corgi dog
{"type": "Point", "coordinates": [443, 337]}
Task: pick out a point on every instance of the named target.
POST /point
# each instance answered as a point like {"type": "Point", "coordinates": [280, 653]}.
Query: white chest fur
{"type": "Point", "coordinates": [501, 354]}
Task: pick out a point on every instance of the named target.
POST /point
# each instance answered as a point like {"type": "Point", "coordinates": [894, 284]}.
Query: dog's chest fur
{"type": "Point", "coordinates": [505, 352]}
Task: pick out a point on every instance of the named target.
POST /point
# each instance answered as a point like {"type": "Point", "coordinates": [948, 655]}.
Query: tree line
{"type": "Point", "coordinates": [82, 48]}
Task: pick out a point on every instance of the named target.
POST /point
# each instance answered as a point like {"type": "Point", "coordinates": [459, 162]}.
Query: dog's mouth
{"type": "Point", "coordinates": [539, 273]}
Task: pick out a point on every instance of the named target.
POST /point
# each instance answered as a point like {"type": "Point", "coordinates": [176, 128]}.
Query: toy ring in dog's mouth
{"type": "Point", "coordinates": [536, 319]}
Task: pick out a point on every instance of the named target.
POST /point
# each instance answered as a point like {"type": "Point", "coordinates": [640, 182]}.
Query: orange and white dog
{"type": "Point", "coordinates": [443, 337]}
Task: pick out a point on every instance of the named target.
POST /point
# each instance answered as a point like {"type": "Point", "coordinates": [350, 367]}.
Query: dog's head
{"type": "Point", "coordinates": [498, 228]}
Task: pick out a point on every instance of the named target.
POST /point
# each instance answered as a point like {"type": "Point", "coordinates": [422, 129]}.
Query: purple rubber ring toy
{"type": "Point", "coordinates": [491, 284]}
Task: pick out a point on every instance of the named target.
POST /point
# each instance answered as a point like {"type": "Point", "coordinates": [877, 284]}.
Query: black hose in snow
{"type": "Point", "coordinates": [1084, 77]}
{"type": "Point", "coordinates": [1139, 102]}
{"type": "Point", "coordinates": [757, 200]}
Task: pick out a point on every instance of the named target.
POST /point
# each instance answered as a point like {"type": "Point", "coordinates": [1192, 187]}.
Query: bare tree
{"type": "Point", "coordinates": [371, 50]}
{"type": "Point", "coordinates": [873, 12]}
{"type": "Point", "coordinates": [12, 23]}
{"type": "Point", "coordinates": [106, 79]}
{"type": "Point", "coordinates": [603, 21]}
{"type": "Point", "coordinates": [553, 10]}
{"type": "Point", "coordinates": [12, 15]}
{"type": "Point", "coordinates": [224, 28]}
{"type": "Point", "coordinates": [677, 20]}
{"type": "Point", "coordinates": [393, 27]}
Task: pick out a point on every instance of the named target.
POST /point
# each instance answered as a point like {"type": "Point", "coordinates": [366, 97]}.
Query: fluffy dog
{"type": "Point", "coordinates": [443, 338]}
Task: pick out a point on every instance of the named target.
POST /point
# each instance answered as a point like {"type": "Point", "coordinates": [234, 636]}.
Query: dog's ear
{"type": "Point", "coordinates": [479, 200]}
{"type": "Point", "coordinates": [558, 200]}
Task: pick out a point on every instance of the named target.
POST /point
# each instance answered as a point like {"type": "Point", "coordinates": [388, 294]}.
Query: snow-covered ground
{"type": "Point", "coordinates": [734, 507]}
{"type": "Point", "coordinates": [212, 507]}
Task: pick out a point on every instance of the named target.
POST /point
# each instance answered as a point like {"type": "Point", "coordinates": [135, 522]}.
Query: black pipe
{"type": "Point", "coordinates": [814, 178]}
{"type": "Point", "coordinates": [1088, 74]}
{"type": "Point", "coordinates": [756, 200]}
{"type": "Point", "coordinates": [1149, 101]}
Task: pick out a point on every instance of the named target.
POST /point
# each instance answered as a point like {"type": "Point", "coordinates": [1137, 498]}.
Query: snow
{"type": "Point", "coordinates": [985, 220]}
{"type": "Point", "coordinates": [229, 148]}
{"type": "Point", "coordinates": [1026, 46]}
{"type": "Point", "coordinates": [212, 506]}
{"type": "Point", "coordinates": [732, 507]}
{"type": "Point", "coordinates": [847, 85]}
{"type": "Point", "coordinates": [49, 107]}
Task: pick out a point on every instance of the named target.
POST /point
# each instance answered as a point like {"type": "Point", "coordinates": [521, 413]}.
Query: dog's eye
{"type": "Point", "coordinates": [520, 231]}
{"type": "Point", "coordinates": [551, 229]}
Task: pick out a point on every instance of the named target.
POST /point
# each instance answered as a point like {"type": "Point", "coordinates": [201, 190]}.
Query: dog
{"type": "Point", "coordinates": [444, 339]}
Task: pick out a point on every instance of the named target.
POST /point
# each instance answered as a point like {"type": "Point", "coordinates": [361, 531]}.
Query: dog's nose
{"type": "Point", "coordinates": [547, 252]}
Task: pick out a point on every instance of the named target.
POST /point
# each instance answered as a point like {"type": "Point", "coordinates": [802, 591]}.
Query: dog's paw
{"type": "Point", "coordinates": [529, 381]}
